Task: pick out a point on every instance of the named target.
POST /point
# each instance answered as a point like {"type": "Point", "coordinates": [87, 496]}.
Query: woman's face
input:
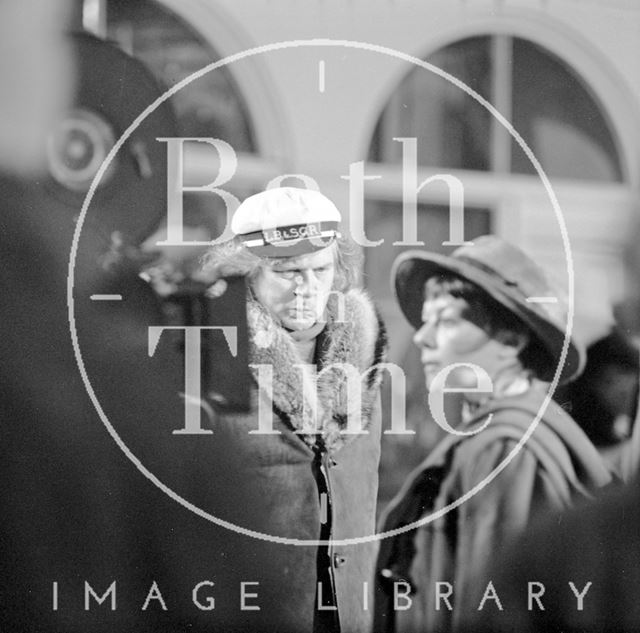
{"type": "Point", "coordinates": [447, 337]}
{"type": "Point", "coordinates": [296, 289]}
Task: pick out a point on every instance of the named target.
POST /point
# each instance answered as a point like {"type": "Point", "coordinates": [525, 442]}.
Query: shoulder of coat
{"type": "Point", "coordinates": [366, 322]}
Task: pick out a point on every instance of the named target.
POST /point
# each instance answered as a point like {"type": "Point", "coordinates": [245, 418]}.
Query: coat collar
{"type": "Point", "coordinates": [352, 340]}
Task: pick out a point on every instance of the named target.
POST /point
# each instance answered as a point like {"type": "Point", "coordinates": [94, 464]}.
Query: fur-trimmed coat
{"type": "Point", "coordinates": [277, 472]}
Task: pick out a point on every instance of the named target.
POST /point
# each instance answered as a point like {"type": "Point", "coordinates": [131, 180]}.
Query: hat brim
{"type": "Point", "coordinates": [412, 269]}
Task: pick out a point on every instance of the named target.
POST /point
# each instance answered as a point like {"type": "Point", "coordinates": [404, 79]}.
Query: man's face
{"type": "Point", "coordinates": [296, 289]}
{"type": "Point", "coordinates": [446, 337]}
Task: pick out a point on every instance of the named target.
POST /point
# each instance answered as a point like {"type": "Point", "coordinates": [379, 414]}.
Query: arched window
{"type": "Point", "coordinates": [547, 103]}
{"type": "Point", "coordinates": [210, 106]}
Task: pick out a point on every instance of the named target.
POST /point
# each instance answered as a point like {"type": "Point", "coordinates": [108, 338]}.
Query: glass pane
{"type": "Point", "coordinates": [559, 119]}
{"type": "Point", "coordinates": [400, 454]}
{"type": "Point", "coordinates": [452, 129]}
{"type": "Point", "coordinates": [209, 106]}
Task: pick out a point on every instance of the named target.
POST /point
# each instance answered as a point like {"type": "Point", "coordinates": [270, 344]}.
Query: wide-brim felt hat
{"type": "Point", "coordinates": [508, 276]}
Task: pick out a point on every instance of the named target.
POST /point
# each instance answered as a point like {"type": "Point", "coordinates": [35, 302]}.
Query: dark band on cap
{"type": "Point", "coordinates": [322, 232]}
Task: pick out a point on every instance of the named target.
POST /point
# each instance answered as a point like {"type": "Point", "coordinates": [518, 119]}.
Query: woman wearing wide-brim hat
{"type": "Point", "coordinates": [490, 325]}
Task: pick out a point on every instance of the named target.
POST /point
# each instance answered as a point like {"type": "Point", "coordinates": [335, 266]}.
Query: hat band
{"type": "Point", "coordinates": [491, 271]}
{"type": "Point", "coordinates": [514, 286]}
{"type": "Point", "coordinates": [292, 234]}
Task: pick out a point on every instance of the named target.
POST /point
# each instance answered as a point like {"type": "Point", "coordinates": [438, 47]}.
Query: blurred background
{"type": "Point", "coordinates": [565, 73]}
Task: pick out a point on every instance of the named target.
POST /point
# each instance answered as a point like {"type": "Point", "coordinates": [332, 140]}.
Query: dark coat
{"type": "Point", "coordinates": [556, 464]}
{"type": "Point", "coordinates": [597, 548]}
{"type": "Point", "coordinates": [285, 473]}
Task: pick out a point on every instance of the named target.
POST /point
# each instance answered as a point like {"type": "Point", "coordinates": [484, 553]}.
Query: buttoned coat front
{"type": "Point", "coordinates": [328, 430]}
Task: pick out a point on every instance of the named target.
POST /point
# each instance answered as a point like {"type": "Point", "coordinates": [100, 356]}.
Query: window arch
{"type": "Point", "coordinates": [548, 103]}
{"type": "Point", "coordinates": [210, 106]}
{"type": "Point", "coordinates": [172, 48]}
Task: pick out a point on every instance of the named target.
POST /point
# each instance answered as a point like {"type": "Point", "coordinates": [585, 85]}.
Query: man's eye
{"type": "Point", "coordinates": [286, 274]}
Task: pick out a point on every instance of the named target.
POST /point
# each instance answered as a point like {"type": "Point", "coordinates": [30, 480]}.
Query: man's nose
{"type": "Point", "coordinates": [424, 336]}
{"type": "Point", "coordinates": [306, 282]}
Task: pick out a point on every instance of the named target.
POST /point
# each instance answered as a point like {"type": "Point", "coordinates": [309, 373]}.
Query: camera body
{"type": "Point", "coordinates": [225, 376]}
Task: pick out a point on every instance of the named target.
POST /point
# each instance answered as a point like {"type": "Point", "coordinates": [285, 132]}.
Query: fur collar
{"type": "Point", "coordinates": [352, 336]}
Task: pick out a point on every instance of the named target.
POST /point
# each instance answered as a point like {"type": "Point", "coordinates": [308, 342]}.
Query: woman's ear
{"type": "Point", "coordinates": [513, 342]}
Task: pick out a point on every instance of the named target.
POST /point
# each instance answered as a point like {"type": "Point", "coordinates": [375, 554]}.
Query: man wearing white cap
{"type": "Point", "coordinates": [313, 480]}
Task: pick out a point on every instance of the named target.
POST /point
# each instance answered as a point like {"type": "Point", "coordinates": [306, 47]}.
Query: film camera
{"type": "Point", "coordinates": [128, 204]}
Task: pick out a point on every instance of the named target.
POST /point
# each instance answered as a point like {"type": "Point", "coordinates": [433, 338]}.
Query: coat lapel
{"type": "Point", "coordinates": [321, 402]}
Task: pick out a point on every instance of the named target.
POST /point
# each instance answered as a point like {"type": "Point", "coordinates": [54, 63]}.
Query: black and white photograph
{"type": "Point", "coordinates": [320, 316]}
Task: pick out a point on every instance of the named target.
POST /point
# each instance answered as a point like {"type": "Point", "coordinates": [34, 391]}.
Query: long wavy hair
{"type": "Point", "coordinates": [234, 258]}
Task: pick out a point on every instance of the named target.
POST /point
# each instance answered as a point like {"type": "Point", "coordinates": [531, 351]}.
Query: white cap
{"type": "Point", "coordinates": [286, 222]}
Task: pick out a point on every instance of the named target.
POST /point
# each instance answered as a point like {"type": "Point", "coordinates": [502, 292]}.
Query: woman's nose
{"type": "Point", "coordinates": [424, 336]}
